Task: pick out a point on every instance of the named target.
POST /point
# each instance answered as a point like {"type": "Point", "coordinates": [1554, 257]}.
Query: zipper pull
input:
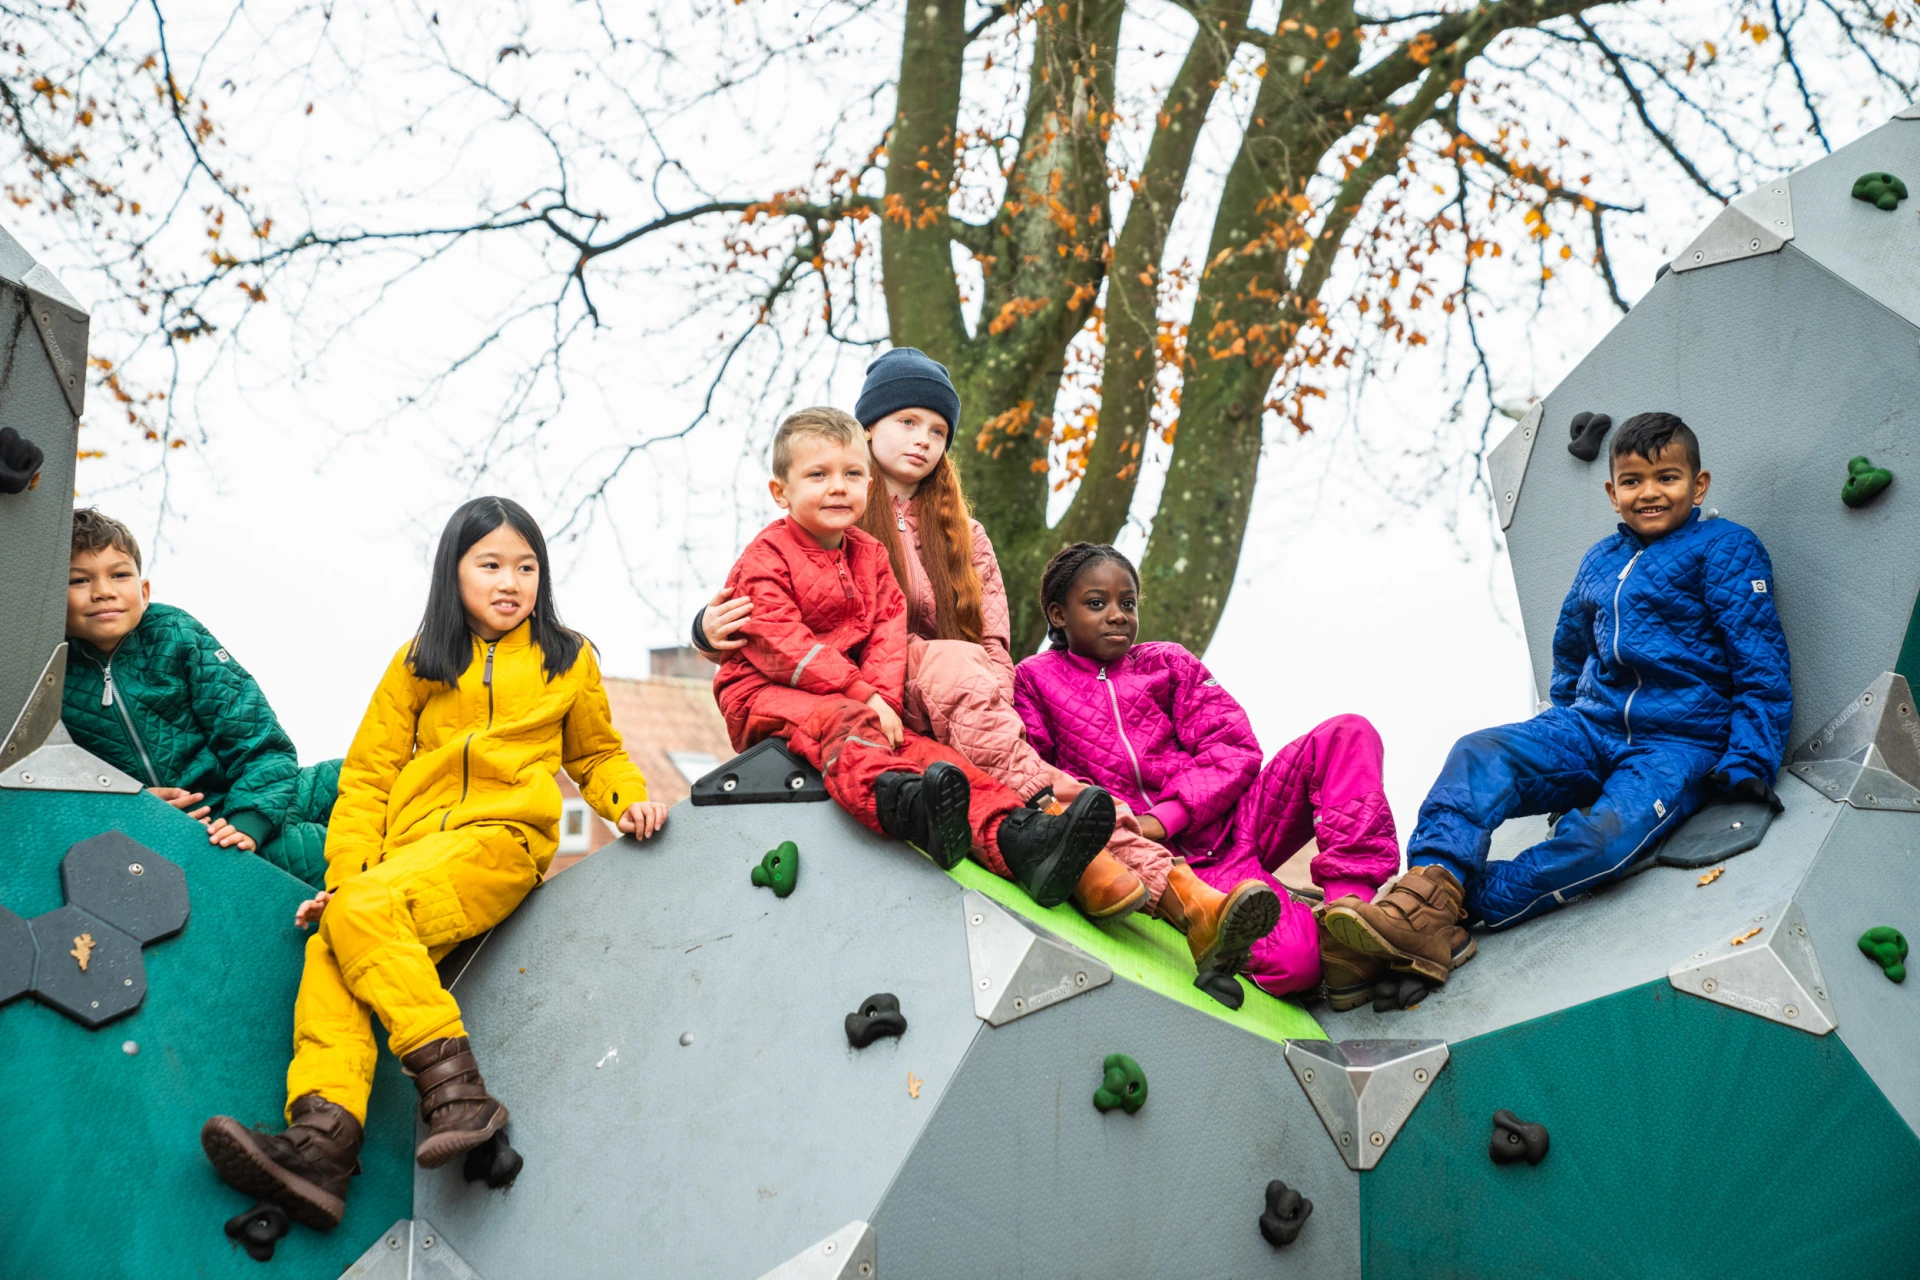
{"type": "Point", "coordinates": [106, 691]}
{"type": "Point", "coordinates": [1102, 675]}
{"type": "Point", "coordinates": [486, 677]}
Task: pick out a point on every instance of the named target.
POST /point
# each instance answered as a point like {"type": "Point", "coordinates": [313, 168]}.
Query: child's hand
{"type": "Point", "coordinates": [725, 615]}
{"type": "Point", "coordinates": [643, 819]}
{"type": "Point", "coordinates": [228, 836]}
{"type": "Point", "coordinates": [309, 911]}
{"type": "Point", "coordinates": [183, 799]}
{"type": "Point", "coordinates": [889, 720]}
{"type": "Point", "coordinates": [1150, 828]}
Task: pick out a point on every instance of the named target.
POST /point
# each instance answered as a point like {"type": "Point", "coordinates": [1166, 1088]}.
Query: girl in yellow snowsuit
{"type": "Point", "coordinates": [448, 815]}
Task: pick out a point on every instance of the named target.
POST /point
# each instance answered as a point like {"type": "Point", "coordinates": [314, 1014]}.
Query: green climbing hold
{"type": "Point", "coordinates": [1885, 947]}
{"type": "Point", "coordinates": [1881, 190]}
{"type": "Point", "coordinates": [1124, 1085]}
{"type": "Point", "coordinates": [779, 870]}
{"type": "Point", "coordinates": [1865, 482]}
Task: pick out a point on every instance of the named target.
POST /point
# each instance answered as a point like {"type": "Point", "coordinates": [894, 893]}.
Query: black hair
{"type": "Point", "coordinates": [443, 647]}
{"type": "Point", "coordinates": [1646, 435]}
{"type": "Point", "coordinates": [1066, 567]}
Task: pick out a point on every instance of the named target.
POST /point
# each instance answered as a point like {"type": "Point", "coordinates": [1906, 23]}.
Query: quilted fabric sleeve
{"type": "Point", "coordinates": [883, 663]}
{"type": "Point", "coordinates": [1739, 595]}
{"type": "Point", "coordinates": [381, 748]}
{"type": "Point", "coordinates": [591, 750]}
{"type": "Point", "coordinates": [242, 732]}
{"type": "Point", "coordinates": [1031, 708]}
{"type": "Point", "coordinates": [1214, 729]}
{"type": "Point", "coordinates": [1572, 640]}
{"type": "Point", "coordinates": [998, 637]}
{"type": "Point", "coordinates": [779, 642]}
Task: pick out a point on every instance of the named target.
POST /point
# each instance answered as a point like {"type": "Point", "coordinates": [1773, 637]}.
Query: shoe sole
{"type": "Point", "coordinates": [243, 1167]}
{"type": "Point", "coordinates": [1341, 999]}
{"type": "Point", "coordinates": [1133, 903]}
{"type": "Point", "coordinates": [1089, 827]}
{"type": "Point", "coordinates": [436, 1149]}
{"type": "Point", "coordinates": [1248, 915]}
{"type": "Point", "coordinates": [1354, 933]}
{"type": "Point", "coordinates": [950, 838]}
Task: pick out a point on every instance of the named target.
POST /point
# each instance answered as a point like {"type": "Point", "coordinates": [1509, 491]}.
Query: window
{"type": "Point", "coordinates": [693, 765]}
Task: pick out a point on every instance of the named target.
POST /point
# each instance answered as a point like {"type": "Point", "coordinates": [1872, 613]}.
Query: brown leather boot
{"type": "Point", "coordinates": [459, 1112]}
{"type": "Point", "coordinates": [1220, 927]}
{"type": "Point", "coordinates": [303, 1170]}
{"type": "Point", "coordinates": [1108, 889]}
{"type": "Point", "coordinates": [1411, 925]}
{"type": "Point", "coordinates": [1349, 975]}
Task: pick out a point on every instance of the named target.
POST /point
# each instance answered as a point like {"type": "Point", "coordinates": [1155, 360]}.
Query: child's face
{"type": "Point", "coordinates": [908, 445]}
{"type": "Point", "coordinates": [825, 488]}
{"type": "Point", "coordinates": [1654, 496]}
{"type": "Point", "coordinates": [499, 582]}
{"type": "Point", "coordinates": [1101, 612]}
{"type": "Point", "coordinates": [106, 597]}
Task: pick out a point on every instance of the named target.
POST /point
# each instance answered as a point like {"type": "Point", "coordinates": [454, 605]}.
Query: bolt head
{"type": "Point", "coordinates": [1377, 1139]}
{"type": "Point", "coordinates": [1709, 986]}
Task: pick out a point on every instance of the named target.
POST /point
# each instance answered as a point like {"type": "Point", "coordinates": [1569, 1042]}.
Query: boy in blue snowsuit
{"type": "Point", "coordinates": [1669, 688]}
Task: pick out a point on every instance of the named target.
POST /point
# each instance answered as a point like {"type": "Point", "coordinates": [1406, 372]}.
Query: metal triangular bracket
{"type": "Point", "coordinates": [1767, 967]}
{"type": "Point", "coordinates": [1364, 1090]}
{"type": "Point", "coordinates": [1869, 755]}
{"type": "Point", "coordinates": [1909, 112]}
{"type": "Point", "coordinates": [1761, 221]}
{"type": "Point", "coordinates": [410, 1250]}
{"type": "Point", "coordinates": [38, 753]}
{"type": "Point", "coordinates": [1507, 464]}
{"type": "Point", "coordinates": [62, 323]}
{"type": "Point", "coordinates": [851, 1253]}
{"type": "Point", "coordinates": [1017, 970]}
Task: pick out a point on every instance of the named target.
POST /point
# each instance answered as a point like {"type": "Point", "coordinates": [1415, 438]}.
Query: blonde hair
{"type": "Point", "coordinates": [820, 422]}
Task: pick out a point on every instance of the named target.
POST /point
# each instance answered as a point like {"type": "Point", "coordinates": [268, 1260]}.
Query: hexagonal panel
{"type": "Point", "coordinates": [126, 884]}
{"type": "Point", "coordinates": [114, 981]}
{"type": "Point", "coordinates": [16, 956]}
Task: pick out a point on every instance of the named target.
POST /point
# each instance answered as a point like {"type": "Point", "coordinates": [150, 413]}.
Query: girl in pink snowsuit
{"type": "Point", "coordinates": [1151, 725]}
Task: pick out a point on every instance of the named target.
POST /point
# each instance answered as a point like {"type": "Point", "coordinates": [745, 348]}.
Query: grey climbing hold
{"type": "Point", "coordinates": [1868, 755]}
{"type": "Point", "coordinates": [121, 881]}
{"type": "Point", "coordinates": [1716, 833]}
{"type": "Point", "coordinates": [851, 1253]}
{"type": "Point", "coordinates": [1765, 966]}
{"type": "Point", "coordinates": [1364, 1090]}
{"type": "Point", "coordinates": [86, 968]}
{"type": "Point", "coordinates": [1016, 970]}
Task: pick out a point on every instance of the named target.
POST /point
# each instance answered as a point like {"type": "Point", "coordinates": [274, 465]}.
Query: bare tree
{"type": "Point", "coordinates": [1013, 195]}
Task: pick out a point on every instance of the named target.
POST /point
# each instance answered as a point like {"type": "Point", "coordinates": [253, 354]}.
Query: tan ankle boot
{"type": "Point", "coordinates": [1108, 889]}
{"type": "Point", "coordinates": [1412, 925]}
{"type": "Point", "coordinates": [1349, 975]}
{"type": "Point", "coordinates": [1220, 927]}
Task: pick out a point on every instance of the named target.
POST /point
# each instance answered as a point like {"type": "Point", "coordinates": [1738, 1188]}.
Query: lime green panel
{"type": "Point", "coordinates": [103, 1174]}
{"type": "Point", "coordinates": [1687, 1140]}
{"type": "Point", "coordinates": [1151, 953]}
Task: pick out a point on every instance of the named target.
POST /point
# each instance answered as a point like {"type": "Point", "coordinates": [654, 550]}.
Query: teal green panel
{"type": "Point", "coordinates": [1908, 663]}
{"type": "Point", "coordinates": [1688, 1140]}
{"type": "Point", "coordinates": [102, 1174]}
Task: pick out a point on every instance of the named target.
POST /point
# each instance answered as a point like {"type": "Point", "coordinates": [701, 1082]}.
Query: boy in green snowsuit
{"type": "Point", "coordinates": [153, 693]}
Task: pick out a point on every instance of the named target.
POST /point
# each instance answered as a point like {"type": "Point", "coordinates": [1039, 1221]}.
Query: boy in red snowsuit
{"type": "Point", "coordinates": [825, 668]}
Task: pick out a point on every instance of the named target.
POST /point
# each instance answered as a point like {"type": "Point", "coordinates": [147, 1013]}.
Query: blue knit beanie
{"type": "Point", "coordinates": [904, 378]}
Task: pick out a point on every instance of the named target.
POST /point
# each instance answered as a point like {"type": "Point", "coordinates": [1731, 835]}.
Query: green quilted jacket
{"type": "Point", "coordinates": [174, 709]}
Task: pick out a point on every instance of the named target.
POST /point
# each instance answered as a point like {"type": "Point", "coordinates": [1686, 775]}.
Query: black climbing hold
{"type": "Point", "coordinates": [1122, 1084]}
{"type": "Point", "coordinates": [20, 461]}
{"type": "Point", "coordinates": [878, 1015]}
{"type": "Point", "coordinates": [16, 956]}
{"type": "Point", "coordinates": [1886, 948]}
{"type": "Point", "coordinates": [1222, 986]}
{"type": "Point", "coordinates": [1881, 190]}
{"type": "Point", "coordinates": [113, 981]}
{"type": "Point", "coordinates": [1586, 431]}
{"type": "Point", "coordinates": [493, 1162]}
{"type": "Point", "coordinates": [1664, 268]}
{"type": "Point", "coordinates": [259, 1229]}
{"type": "Point", "coordinates": [1865, 482]}
{"type": "Point", "coordinates": [1399, 991]}
{"type": "Point", "coordinates": [1516, 1139]}
{"type": "Point", "coordinates": [1287, 1212]}
{"type": "Point", "coordinates": [765, 773]}
{"type": "Point", "coordinates": [1717, 832]}
{"type": "Point", "coordinates": [132, 888]}
{"type": "Point", "coordinates": [778, 870]}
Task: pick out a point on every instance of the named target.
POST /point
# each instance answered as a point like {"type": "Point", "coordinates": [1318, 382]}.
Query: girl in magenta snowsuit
{"type": "Point", "coordinates": [1151, 725]}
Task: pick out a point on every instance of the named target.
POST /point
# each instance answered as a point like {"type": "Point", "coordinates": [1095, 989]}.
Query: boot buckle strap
{"type": "Point", "coordinates": [450, 1093]}
{"type": "Point", "coordinates": [446, 1069]}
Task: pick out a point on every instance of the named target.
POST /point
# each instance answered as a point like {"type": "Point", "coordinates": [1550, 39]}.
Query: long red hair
{"type": "Point", "coordinates": [946, 552]}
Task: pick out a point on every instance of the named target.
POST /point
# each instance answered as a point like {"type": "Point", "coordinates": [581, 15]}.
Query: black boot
{"type": "Point", "coordinates": [303, 1170]}
{"type": "Point", "coordinates": [927, 810]}
{"type": "Point", "coordinates": [1047, 853]}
